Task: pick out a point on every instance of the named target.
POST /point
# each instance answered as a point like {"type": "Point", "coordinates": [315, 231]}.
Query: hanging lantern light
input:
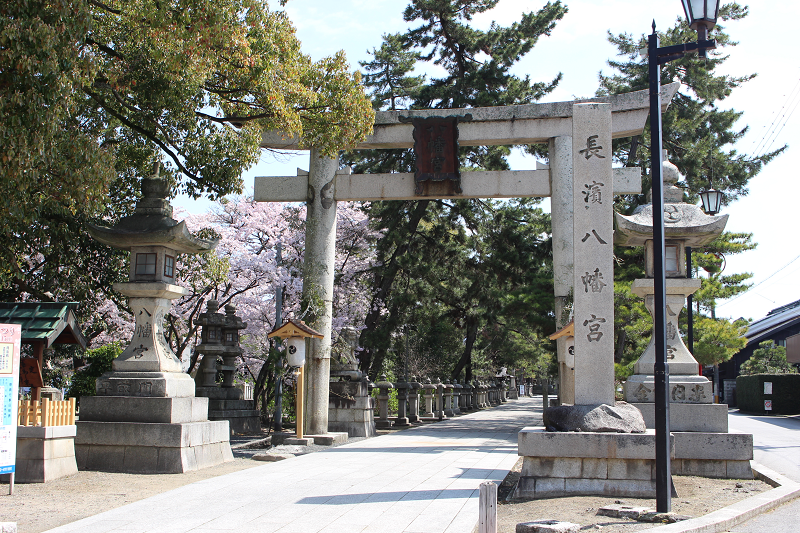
{"type": "Point", "coordinates": [712, 201]}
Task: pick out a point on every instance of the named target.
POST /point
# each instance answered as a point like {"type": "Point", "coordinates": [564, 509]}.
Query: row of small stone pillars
{"type": "Point", "coordinates": [442, 400]}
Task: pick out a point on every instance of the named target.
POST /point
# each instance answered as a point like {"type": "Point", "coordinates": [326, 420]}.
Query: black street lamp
{"type": "Point", "coordinates": [701, 16]}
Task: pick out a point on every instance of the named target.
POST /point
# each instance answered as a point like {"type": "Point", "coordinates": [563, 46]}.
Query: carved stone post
{"type": "Point", "coordinates": [429, 389]}
{"type": "Point", "coordinates": [413, 400]}
{"type": "Point", "coordinates": [383, 386]}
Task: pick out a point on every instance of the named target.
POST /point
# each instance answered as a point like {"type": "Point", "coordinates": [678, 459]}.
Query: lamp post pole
{"type": "Point", "coordinates": [656, 56]}
{"type": "Point", "coordinates": [660, 368]}
{"type": "Point", "coordinates": [689, 300]}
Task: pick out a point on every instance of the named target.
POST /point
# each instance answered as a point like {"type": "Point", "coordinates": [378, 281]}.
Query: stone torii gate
{"type": "Point", "coordinates": [579, 181]}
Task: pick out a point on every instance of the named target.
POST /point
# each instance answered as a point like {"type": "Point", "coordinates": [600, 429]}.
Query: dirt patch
{"type": "Point", "coordinates": [38, 507]}
{"type": "Point", "coordinates": [697, 496]}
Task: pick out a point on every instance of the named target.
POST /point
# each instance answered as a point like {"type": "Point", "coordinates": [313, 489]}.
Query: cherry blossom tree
{"type": "Point", "coordinates": [244, 270]}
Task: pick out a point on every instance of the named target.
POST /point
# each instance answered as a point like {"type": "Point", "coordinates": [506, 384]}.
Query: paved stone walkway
{"type": "Point", "coordinates": [422, 480]}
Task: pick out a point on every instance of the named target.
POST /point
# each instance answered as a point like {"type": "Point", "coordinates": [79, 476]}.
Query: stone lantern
{"type": "Point", "coordinates": [154, 240]}
{"type": "Point", "coordinates": [146, 406]}
{"type": "Point", "coordinates": [685, 225]}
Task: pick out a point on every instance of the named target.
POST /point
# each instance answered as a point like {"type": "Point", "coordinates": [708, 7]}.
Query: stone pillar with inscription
{"type": "Point", "coordinates": [145, 417]}
{"type": "Point", "coordinates": [593, 237]}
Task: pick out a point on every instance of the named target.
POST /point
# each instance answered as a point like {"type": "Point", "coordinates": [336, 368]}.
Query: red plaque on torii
{"type": "Point", "coordinates": [436, 150]}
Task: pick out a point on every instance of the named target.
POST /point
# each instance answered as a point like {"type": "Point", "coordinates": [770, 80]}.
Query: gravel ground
{"type": "Point", "coordinates": [697, 496]}
{"type": "Point", "coordinates": [42, 506]}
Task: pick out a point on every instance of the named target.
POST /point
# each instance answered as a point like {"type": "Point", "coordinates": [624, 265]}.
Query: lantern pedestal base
{"type": "Point", "coordinates": [146, 384]}
{"type": "Point", "coordinates": [148, 423]}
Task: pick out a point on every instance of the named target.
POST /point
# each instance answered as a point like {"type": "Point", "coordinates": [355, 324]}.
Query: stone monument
{"type": "Point", "coordinates": [145, 417]}
{"type": "Point", "coordinates": [351, 407]}
{"type": "Point", "coordinates": [219, 341]}
{"type": "Point", "coordinates": [590, 451]}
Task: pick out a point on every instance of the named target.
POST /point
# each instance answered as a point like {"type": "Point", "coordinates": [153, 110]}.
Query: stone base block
{"type": "Point", "coordinates": [383, 424]}
{"type": "Point", "coordinates": [701, 417]}
{"type": "Point", "coordinates": [241, 422]}
{"type": "Point", "coordinates": [547, 526]}
{"type": "Point", "coordinates": [178, 410]}
{"type": "Point", "coordinates": [294, 441]}
{"type": "Point", "coordinates": [540, 488]}
{"type": "Point", "coordinates": [241, 416]}
{"type": "Point", "coordinates": [353, 429]}
{"type": "Point", "coordinates": [220, 393]}
{"type": "Point", "coordinates": [45, 453]}
{"type": "Point", "coordinates": [356, 418]}
{"type": "Point", "coordinates": [572, 464]}
{"type": "Point", "coordinates": [145, 384]}
{"type": "Point", "coordinates": [151, 448]}
{"type": "Point", "coordinates": [401, 422]}
{"type": "Point", "coordinates": [715, 455]}
{"type": "Point", "coordinates": [687, 389]}
{"type": "Point", "coordinates": [329, 439]}
{"type": "Point", "coordinates": [536, 442]}
{"type": "Point", "coordinates": [728, 446]}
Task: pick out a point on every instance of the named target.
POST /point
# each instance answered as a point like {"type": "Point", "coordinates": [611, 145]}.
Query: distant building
{"type": "Point", "coordinates": [781, 325]}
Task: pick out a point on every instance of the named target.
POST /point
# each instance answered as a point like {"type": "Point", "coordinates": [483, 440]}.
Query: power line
{"type": "Point", "coordinates": [759, 283]}
{"type": "Point", "coordinates": [778, 122]}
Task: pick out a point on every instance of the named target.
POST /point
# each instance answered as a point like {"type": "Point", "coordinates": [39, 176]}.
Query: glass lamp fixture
{"type": "Point", "coordinates": [712, 201]}
{"type": "Point", "coordinates": [701, 16]}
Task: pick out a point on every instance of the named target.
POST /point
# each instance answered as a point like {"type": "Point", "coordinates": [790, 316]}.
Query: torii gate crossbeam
{"type": "Point", "coordinates": [325, 184]}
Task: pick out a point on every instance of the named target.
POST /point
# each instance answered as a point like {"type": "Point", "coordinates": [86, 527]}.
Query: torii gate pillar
{"type": "Point", "coordinates": [318, 270]}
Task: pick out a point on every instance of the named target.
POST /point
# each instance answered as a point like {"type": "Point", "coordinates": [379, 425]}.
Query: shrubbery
{"type": "Point", "coordinates": [785, 393]}
{"type": "Point", "coordinates": [99, 361]}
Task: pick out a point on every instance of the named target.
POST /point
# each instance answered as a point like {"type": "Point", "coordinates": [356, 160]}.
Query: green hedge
{"type": "Point", "coordinates": [785, 393]}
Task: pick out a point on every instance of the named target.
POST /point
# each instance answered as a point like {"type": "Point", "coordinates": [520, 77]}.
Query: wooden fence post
{"type": "Point", "coordinates": [487, 508]}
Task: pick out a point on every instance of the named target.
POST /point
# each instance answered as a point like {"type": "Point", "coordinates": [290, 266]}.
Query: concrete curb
{"type": "Point", "coordinates": [733, 515]}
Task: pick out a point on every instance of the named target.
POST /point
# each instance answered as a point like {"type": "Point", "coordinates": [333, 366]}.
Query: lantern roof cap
{"type": "Point", "coordinates": [685, 222]}
{"type": "Point", "coordinates": [151, 224]}
{"type": "Point", "coordinates": [566, 331]}
{"type": "Point", "coordinates": [295, 328]}
{"type": "Point", "coordinates": [682, 221]}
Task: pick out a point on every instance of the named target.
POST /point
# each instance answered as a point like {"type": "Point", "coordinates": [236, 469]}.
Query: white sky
{"type": "Point", "coordinates": [578, 47]}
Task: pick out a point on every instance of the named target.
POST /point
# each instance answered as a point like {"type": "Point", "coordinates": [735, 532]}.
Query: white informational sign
{"type": "Point", "coordinates": [522, 390]}
{"type": "Point", "coordinates": [768, 405]}
{"type": "Point", "coordinates": [10, 340]}
{"type": "Point", "coordinates": [767, 387]}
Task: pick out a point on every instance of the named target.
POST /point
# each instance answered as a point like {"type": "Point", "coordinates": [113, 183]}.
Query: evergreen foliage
{"type": "Point", "coordinates": [717, 340]}
{"type": "Point", "coordinates": [473, 276]}
{"type": "Point", "coordinates": [92, 93]}
{"type": "Point", "coordinates": [98, 361]}
{"type": "Point", "coordinates": [768, 358]}
{"type": "Point", "coordinates": [697, 132]}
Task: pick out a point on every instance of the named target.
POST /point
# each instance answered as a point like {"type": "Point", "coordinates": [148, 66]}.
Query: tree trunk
{"type": "Point", "coordinates": [371, 356]}
{"type": "Point", "coordinates": [466, 357]}
{"type": "Point", "coordinates": [623, 337]}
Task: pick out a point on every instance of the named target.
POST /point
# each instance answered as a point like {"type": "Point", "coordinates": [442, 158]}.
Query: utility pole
{"type": "Point", "coordinates": [277, 423]}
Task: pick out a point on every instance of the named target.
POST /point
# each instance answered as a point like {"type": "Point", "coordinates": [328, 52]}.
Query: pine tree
{"type": "Point", "coordinates": [697, 134]}
{"type": "Point", "coordinates": [434, 251]}
{"type": "Point", "coordinates": [387, 76]}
